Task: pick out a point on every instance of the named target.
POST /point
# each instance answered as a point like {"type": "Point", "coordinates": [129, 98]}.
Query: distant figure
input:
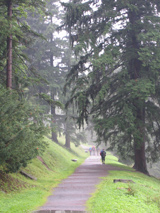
{"type": "Point", "coordinates": [103, 155]}
{"type": "Point", "coordinates": [97, 150]}
{"type": "Point", "coordinates": [93, 149]}
{"type": "Point", "coordinates": [90, 150]}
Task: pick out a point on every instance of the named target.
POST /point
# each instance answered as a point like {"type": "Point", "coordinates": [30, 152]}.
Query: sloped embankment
{"type": "Point", "coordinates": [21, 194]}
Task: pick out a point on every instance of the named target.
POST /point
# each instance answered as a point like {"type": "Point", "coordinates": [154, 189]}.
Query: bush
{"type": "Point", "coordinates": [21, 129]}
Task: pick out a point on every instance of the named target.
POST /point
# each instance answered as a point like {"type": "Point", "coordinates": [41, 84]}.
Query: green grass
{"type": "Point", "coordinates": [143, 196]}
{"type": "Point", "coordinates": [25, 195]}
{"type": "Point", "coordinates": [21, 194]}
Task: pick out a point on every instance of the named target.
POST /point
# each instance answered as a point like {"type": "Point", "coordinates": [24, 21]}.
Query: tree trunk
{"type": "Point", "coordinates": [68, 140]}
{"type": "Point", "coordinates": [54, 134]}
{"type": "Point", "coordinates": [9, 49]}
{"type": "Point", "coordinates": [53, 113]}
{"type": "Point", "coordinates": [139, 141]}
{"type": "Point", "coordinates": [135, 67]}
{"type": "Point", "coordinates": [140, 159]}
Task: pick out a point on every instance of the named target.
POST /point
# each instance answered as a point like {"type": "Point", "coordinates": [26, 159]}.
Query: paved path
{"type": "Point", "coordinates": [71, 195]}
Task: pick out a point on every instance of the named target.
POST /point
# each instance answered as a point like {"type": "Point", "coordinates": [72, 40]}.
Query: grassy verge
{"type": "Point", "coordinates": [143, 196]}
{"type": "Point", "coordinates": [19, 194]}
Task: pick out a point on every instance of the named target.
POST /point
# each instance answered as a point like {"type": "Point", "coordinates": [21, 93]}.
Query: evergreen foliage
{"type": "Point", "coordinates": [117, 77]}
{"type": "Point", "coordinates": [22, 36]}
{"type": "Point", "coordinates": [44, 54]}
{"type": "Point", "coordinates": [22, 130]}
{"type": "Point", "coordinates": [52, 58]}
{"type": "Point", "coordinates": [21, 124]}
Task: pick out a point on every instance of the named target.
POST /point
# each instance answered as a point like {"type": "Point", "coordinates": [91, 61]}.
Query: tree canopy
{"type": "Point", "coordinates": [116, 80]}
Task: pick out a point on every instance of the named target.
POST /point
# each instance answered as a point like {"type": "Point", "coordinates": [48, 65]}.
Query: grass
{"type": "Point", "coordinates": [143, 196]}
{"type": "Point", "coordinates": [19, 194]}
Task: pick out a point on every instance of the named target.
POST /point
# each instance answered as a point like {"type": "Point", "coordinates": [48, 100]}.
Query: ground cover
{"type": "Point", "coordinates": [20, 194]}
{"type": "Point", "coordinates": [143, 196]}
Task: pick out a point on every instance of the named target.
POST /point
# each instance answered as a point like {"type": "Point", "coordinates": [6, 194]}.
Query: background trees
{"type": "Point", "coordinates": [117, 77]}
{"type": "Point", "coordinates": [52, 59]}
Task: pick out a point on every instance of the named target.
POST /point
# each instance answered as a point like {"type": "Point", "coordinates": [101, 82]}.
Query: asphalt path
{"type": "Point", "coordinates": [72, 193]}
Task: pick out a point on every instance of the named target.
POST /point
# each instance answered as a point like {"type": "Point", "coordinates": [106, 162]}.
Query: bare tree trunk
{"type": "Point", "coordinates": [9, 49]}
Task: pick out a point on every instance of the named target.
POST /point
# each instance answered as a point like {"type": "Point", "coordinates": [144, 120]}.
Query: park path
{"type": "Point", "coordinates": [72, 193]}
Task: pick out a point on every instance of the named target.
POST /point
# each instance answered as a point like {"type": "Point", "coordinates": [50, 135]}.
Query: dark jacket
{"type": "Point", "coordinates": [103, 153]}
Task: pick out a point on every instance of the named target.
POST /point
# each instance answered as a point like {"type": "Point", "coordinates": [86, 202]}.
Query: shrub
{"type": "Point", "coordinates": [21, 129]}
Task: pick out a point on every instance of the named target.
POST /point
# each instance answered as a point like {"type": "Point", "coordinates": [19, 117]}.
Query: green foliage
{"type": "Point", "coordinates": [50, 101]}
{"type": "Point", "coordinates": [50, 58]}
{"type": "Point", "coordinates": [120, 62]}
{"type": "Point", "coordinates": [22, 36]}
{"type": "Point", "coordinates": [22, 131]}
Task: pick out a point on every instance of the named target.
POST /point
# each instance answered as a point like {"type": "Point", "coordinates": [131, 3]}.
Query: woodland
{"type": "Point", "coordinates": [79, 64]}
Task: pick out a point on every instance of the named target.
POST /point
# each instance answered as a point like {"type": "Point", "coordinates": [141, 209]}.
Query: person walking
{"type": "Point", "coordinates": [90, 150]}
{"type": "Point", "coordinates": [103, 155]}
{"type": "Point", "coordinates": [97, 148]}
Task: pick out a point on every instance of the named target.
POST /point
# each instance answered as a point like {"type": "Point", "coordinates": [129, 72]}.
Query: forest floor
{"type": "Point", "coordinates": [72, 193]}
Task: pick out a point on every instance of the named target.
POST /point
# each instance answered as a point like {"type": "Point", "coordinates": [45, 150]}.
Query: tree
{"type": "Point", "coordinates": [9, 48]}
{"type": "Point", "coordinates": [116, 79]}
{"type": "Point", "coordinates": [21, 125]}
{"type": "Point", "coordinates": [16, 34]}
{"type": "Point", "coordinates": [43, 54]}
{"type": "Point", "coordinates": [52, 58]}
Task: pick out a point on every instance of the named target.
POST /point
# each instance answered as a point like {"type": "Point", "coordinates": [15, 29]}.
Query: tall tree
{"type": "Point", "coordinates": [21, 125]}
{"type": "Point", "coordinates": [15, 35]}
{"type": "Point", "coordinates": [43, 56]}
{"type": "Point", "coordinates": [9, 48]}
{"type": "Point", "coordinates": [117, 77]}
{"type": "Point", "coordinates": [51, 7]}
{"type": "Point", "coordinates": [52, 58]}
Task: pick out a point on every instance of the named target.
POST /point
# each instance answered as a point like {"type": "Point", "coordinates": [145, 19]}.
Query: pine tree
{"type": "Point", "coordinates": [21, 126]}
{"type": "Point", "coordinates": [43, 55]}
{"type": "Point", "coordinates": [117, 77]}
{"type": "Point", "coordinates": [9, 48]}
{"type": "Point", "coordinates": [51, 57]}
{"type": "Point", "coordinates": [15, 36]}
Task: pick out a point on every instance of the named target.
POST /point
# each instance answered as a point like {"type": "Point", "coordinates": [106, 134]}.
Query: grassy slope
{"type": "Point", "coordinates": [25, 195]}
{"type": "Point", "coordinates": [19, 194]}
{"type": "Point", "coordinates": [143, 196]}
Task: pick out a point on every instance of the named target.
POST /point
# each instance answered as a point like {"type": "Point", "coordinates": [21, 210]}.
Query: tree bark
{"type": "Point", "coordinates": [139, 142]}
{"type": "Point", "coordinates": [67, 140]}
{"type": "Point", "coordinates": [140, 159]}
{"type": "Point", "coordinates": [54, 134]}
{"type": "Point", "coordinates": [53, 113]}
{"type": "Point", "coordinates": [135, 67]}
{"type": "Point", "coordinates": [9, 49]}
